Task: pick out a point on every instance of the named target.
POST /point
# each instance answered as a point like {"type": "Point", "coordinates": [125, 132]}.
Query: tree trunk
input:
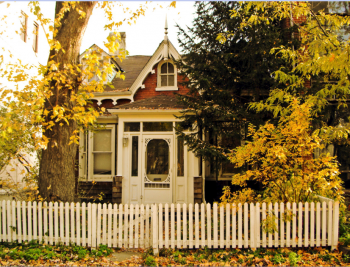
{"type": "Point", "coordinates": [57, 165]}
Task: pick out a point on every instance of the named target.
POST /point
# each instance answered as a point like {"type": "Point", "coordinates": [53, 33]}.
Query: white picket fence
{"type": "Point", "coordinates": [174, 225]}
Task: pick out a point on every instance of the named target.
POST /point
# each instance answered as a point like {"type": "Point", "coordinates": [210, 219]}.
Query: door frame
{"type": "Point", "coordinates": [169, 138]}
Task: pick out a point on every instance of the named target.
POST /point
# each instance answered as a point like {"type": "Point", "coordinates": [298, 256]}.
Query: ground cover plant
{"type": "Point", "coordinates": [248, 257]}
{"type": "Point", "coordinates": [33, 253]}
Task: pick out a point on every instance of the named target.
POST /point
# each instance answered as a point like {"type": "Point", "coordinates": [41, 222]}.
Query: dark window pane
{"type": "Point", "coordinates": [102, 163]}
{"type": "Point", "coordinates": [163, 80]}
{"type": "Point", "coordinates": [135, 156]}
{"type": "Point", "coordinates": [170, 80]}
{"type": "Point", "coordinates": [170, 68]}
{"type": "Point", "coordinates": [157, 160]}
{"type": "Point", "coordinates": [158, 126]}
{"type": "Point", "coordinates": [163, 68]}
{"type": "Point", "coordinates": [180, 157]}
{"type": "Point", "coordinates": [131, 127]}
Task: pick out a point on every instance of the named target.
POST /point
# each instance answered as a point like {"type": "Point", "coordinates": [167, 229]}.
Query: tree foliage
{"type": "Point", "coordinates": [282, 156]}
{"type": "Point", "coordinates": [55, 101]}
{"type": "Point", "coordinates": [282, 159]}
{"type": "Point", "coordinates": [223, 77]}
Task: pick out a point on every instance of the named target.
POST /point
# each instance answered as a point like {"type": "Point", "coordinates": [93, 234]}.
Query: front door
{"type": "Point", "coordinates": [157, 168]}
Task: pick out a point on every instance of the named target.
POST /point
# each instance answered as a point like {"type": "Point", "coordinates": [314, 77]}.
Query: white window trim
{"type": "Point", "coordinates": [83, 150]}
{"type": "Point", "coordinates": [166, 88]}
{"type": "Point", "coordinates": [101, 177]}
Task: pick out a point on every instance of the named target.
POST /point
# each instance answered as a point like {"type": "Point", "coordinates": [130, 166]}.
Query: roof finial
{"type": "Point", "coordinates": [166, 28]}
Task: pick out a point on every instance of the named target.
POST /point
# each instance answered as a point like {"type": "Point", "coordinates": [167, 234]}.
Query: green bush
{"type": "Point", "coordinates": [150, 261]}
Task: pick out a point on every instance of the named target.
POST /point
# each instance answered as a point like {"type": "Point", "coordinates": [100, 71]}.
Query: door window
{"type": "Point", "coordinates": [157, 160]}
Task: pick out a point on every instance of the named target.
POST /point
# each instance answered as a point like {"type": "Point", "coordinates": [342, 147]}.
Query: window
{"type": "Point", "coordinates": [180, 157]}
{"type": "Point", "coordinates": [24, 26]}
{"type": "Point", "coordinates": [167, 80]}
{"type": "Point", "coordinates": [35, 37]}
{"type": "Point", "coordinates": [131, 126]}
{"type": "Point", "coordinates": [102, 154]}
{"type": "Point", "coordinates": [135, 156]}
{"type": "Point", "coordinates": [157, 160]}
{"type": "Point", "coordinates": [158, 126]}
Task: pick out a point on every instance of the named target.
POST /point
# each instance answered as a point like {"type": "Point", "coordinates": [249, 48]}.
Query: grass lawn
{"type": "Point", "coordinates": [40, 254]}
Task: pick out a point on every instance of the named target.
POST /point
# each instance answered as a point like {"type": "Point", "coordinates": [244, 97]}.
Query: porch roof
{"type": "Point", "coordinates": [162, 102]}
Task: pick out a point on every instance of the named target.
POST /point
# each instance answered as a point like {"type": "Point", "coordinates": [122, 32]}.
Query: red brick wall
{"type": "Point", "coordinates": [151, 84]}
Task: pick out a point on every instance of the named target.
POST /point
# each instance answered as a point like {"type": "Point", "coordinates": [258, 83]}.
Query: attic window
{"type": "Point", "coordinates": [167, 78]}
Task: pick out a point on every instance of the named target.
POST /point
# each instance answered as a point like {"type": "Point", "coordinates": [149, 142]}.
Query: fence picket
{"type": "Point", "coordinates": [35, 221]}
{"type": "Point", "coordinates": [196, 215]}
{"type": "Point", "coordinates": [104, 224]}
{"type": "Point", "coordinates": [61, 224]}
{"type": "Point", "coordinates": [142, 226]}
{"type": "Point", "coordinates": [330, 219]}
{"type": "Point", "coordinates": [294, 235]}
{"type": "Point", "coordinates": [154, 226]}
{"type": "Point", "coordinates": [56, 222]}
{"type": "Point", "coordinates": [234, 211]}
{"type": "Point", "coordinates": [115, 225]}
{"type": "Point", "coordinates": [14, 225]}
{"type": "Point", "coordinates": [240, 225]}
{"type": "Point", "coordinates": [66, 215]}
{"type": "Point", "coordinates": [318, 223]}
{"type": "Point", "coordinates": [306, 225]}
{"type": "Point", "coordinates": [166, 214]}
{"type": "Point", "coordinates": [89, 230]}
{"type": "Point", "coordinates": [324, 223]}
{"type": "Point", "coordinates": [29, 220]}
{"type": "Point", "coordinates": [160, 225]}
{"type": "Point", "coordinates": [252, 224]}
{"type": "Point", "coordinates": [131, 226]}
{"type": "Point", "coordinates": [19, 223]}
{"type": "Point", "coordinates": [246, 242]}
{"type": "Point", "coordinates": [203, 225]}
{"type": "Point", "coordinates": [335, 224]}
{"type": "Point", "coordinates": [83, 224]}
{"type": "Point", "coordinates": [282, 225]}
{"type": "Point", "coordinates": [120, 228]}
{"type": "Point", "coordinates": [276, 222]}
{"type": "Point", "coordinates": [4, 233]}
{"type": "Point", "coordinates": [257, 225]}
{"type": "Point", "coordinates": [222, 236]}
{"type": "Point", "coordinates": [228, 225]}
{"type": "Point", "coordinates": [312, 224]}
{"type": "Point", "coordinates": [209, 225]}
{"type": "Point", "coordinates": [98, 223]}
{"type": "Point", "coordinates": [137, 211]}
{"type": "Point", "coordinates": [78, 223]}
{"type": "Point", "coordinates": [300, 228]}
{"type": "Point", "coordinates": [288, 225]}
{"type": "Point", "coordinates": [50, 224]}
{"type": "Point", "coordinates": [215, 226]}
{"type": "Point", "coordinates": [9, 224]}
{"type": "Point", "coordinates": [126, 225]}
{"type": "Point", "coordinates": [270, 234]}
{"type": "Point", "coordinates": [190, 223]}
{"type": "Point", "coordinates": [263, 217]}
{"type": "Point", "coordinates": [148, 228]}
{"type": "Point", "coordinates": [93, 225]}
{"type": "Point", "coordinates": [172, 228]}
{"type": "Point", "coordinates": [109, 234]}
{"type": "Point", "coordinates": [184, 214]}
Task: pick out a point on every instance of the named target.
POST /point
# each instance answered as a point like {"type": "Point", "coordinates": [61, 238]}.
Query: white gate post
{"type": "Point", "coordinates": [335, 224]}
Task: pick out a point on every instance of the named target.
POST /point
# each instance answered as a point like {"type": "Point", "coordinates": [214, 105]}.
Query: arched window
{"type": "Point", "coordinates": [167, 79]}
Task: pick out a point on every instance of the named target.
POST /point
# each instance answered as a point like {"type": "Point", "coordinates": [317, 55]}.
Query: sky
{"type": "Point", "coordinates": [143, 37]}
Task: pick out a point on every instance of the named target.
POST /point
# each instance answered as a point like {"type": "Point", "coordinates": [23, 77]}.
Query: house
{"type": "Point", "coordinates": [21, 38]}
{"type": "Point", "coordinates": [137, 158]}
